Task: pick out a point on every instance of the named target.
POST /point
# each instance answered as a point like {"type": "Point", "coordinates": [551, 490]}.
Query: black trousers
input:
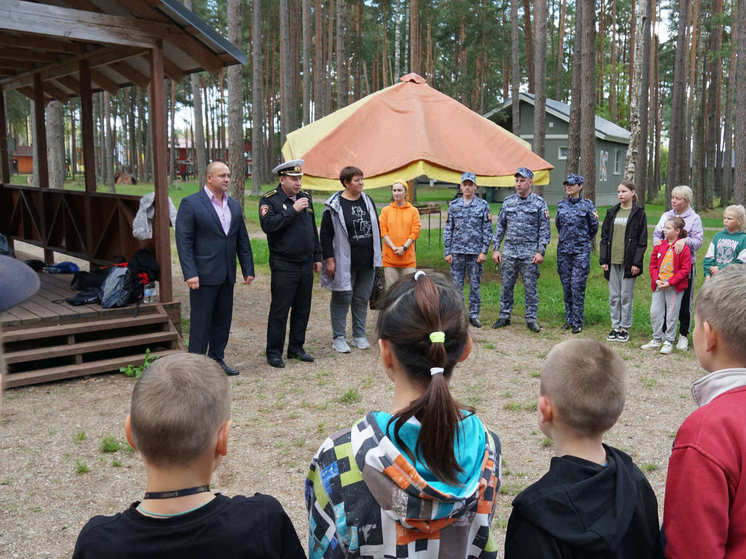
{"type": "Point", "coordinates": [292, 285]}
{"type": "Point", "coordinates": [210, 319]}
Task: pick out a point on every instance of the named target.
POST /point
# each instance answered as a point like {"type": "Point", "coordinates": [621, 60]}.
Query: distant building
{"type": "Point", "coordinates": [611, 146]}
{"type": "Point", "coordinates": [22, 160]}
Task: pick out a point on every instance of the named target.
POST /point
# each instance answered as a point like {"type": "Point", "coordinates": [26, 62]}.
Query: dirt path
{"type": "Point", "coordinates": [51, 434]}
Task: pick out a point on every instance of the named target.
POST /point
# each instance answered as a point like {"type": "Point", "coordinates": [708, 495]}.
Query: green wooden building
{"type": "Point", "coordinates": [611, 146]}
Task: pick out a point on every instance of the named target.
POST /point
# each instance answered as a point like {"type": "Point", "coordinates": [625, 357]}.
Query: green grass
{"type": "Point", "coordinates": [352, 396]}
{"type": "Point", "coordinates": [109, 444]}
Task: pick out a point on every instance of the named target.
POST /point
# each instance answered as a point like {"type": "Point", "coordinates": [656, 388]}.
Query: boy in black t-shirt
{"type": "Point", "coordinates": [179, 421]}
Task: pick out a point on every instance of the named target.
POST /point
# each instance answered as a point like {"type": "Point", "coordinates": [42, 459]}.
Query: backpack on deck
{"type": "Point", "coordinates": [121, 287]}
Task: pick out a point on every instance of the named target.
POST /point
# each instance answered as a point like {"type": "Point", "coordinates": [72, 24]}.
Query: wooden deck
{"type": "Point", "coordinates": [47, 339]}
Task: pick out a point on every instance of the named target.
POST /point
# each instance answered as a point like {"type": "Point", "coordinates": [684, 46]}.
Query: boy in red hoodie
{"type": "Point", "coordinates": [669, 277]}
{"type": "Point", "coordinates": [705, 507]}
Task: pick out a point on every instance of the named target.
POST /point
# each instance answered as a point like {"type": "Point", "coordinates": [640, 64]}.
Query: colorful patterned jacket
{"type": "Point", "coordinates": [365, 498]}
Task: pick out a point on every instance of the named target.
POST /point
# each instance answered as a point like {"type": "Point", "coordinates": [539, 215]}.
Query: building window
{"type": "Point", "coordinates": [618, 162]}
{"type": "Point", "coordinates": [562, 152]}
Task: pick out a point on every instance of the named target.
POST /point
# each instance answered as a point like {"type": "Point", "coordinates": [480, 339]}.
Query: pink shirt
{"type": "Point", "coordinates": [221, 208]}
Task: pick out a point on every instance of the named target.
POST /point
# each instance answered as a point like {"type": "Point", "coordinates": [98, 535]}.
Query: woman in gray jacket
{"type": "Point", "coordinates": [351, 248]}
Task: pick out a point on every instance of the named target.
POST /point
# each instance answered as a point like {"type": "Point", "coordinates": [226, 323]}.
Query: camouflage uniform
{"type": "Point", "coordinates": [577, 224]}
{"type": "Point", "coordinates": [524, 224]}
{"type": "Point", "coordinates": [467, 234]}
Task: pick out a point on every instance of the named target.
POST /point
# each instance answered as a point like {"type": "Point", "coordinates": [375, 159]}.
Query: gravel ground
{"type": "Point", "coordinates": [54, 475]}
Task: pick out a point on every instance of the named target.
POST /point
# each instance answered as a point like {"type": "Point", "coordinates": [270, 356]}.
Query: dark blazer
{"type": "Point", "coordinates": [204, 249]}
{"type": "Point", "coordinates": [635, 239]}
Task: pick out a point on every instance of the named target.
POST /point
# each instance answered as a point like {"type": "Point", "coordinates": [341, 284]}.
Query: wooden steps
{"type": "Point", "coordinates": [48, 352]}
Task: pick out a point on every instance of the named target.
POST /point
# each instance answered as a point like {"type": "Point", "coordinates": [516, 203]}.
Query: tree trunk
{"type": "Point", "coordinates": [55, 126]}
{"type": "Point", "coordinates": [515, 82]}
{"type": "Point", "coordinates": [713, 106]}
{"type": "Point", "coordinates": [306, 8]}
{"type": "Point", "coordinates": [739, 184]}
{"type": "Point", "coordinates": [318, 63]}
{"type": "Point", "coordinates": [700, 104]}
{"type": "Point", "coordinates": [558, 71]}
{"type": "Point", "coordinates": [340, 55]}
{"type": "Point", "coordinates": [134, 166]}
{"type": "Point", "coordinates": [286, 65]}
{"type": "Point", "coordinates": [529, 45]}
{"type": "Point", "coordinates": [613, 108]}
{"type": "Point", "coordinates": [235, 108]}
{"type": "Point", "coordinates": [730, 97]}
{"type": "Point", "coordinates": [540, 82]}
{"type": "Point", "coordinates": [257, 102]}
{"type": "Point", "coordinates": [108, 146]}
{"type": "Point", "coordinates": [199, 130]}
{"type": "Point", "coordinates": [677, 166]}
{"type": "Point", "coordinates": [414, 47]}
{"type": "Point", "coordinates": [329, 59]}
{"type": "Point", "coordinates": [573, 132]}
{"type": "Point", "coordinates": [397, 38]}
{"type": "Point", "coordinates": [73, 144]}
{"type": "Point", "coordinates": [588, 104]}
{"type": "Point", "coordinates": [172, 151]}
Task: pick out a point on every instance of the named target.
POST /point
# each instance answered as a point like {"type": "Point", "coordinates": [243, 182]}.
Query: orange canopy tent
{"type": "Point", "coordinates": [405, 131]}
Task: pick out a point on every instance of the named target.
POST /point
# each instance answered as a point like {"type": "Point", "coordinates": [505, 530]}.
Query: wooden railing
{"type": "Point", "coordinates": [92, 226]}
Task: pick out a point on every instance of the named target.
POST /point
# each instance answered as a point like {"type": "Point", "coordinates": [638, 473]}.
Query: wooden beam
{"type": "Point", "coordinates": [196, 50]}
{"type": "Point", "coordinates": [89, 157]}
{"type": "Point", "coordinates": [27, 91]}
{"type": "Point", "coordinates": [40, 153]}
{"type": "Point", "coordinates": [162, 237]}
{"type": "Point", "coordinates": [13, 63]}
{"type": "Point", "coordinates": [142, 10]}
{"type": "Point", "coordinates": [4, 160]}
{"type": "Point", "coordinates": [28, 54]}
{"type": "Point", "coordinates": [56, 92]}
{"type": "Point", "coordinates": [83, 5]}
{"type": "Point", "coordinates": [103, 82]}
{"type": "Point", "coordinates": [173, 71]}
{"type": "Point", "coordinates": [86, 127]}
{"type": "Point", "coordinates": [70, 83]}
{"type": "Point", "coordinates": [53, 45]}
{"type": "Point", "coordinates": [131, 73]}
{"type": "Point", "coordinates": [98, 57]}
{"type": "Point", "coordinates": [55, 21]}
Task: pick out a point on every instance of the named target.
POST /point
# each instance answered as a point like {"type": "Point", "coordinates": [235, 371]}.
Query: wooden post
{"type": "Point", "coordinates": [40, 152]}
{"type": "Point", "coordinates": [4, 162]}
{"type": "Point", "coordinates": [89, 157]}
{"type": "Point", "coordinates": [161, 225]}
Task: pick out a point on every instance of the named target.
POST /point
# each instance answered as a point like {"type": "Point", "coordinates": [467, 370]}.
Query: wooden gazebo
{"type": "Point", "coordinates": [58, 49]}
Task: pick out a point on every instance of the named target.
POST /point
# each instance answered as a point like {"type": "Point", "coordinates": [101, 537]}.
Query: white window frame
{"type": "Point", "coordinates": [559, 153]}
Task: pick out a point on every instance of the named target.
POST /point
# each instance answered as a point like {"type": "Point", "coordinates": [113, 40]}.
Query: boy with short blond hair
{"type": "Point", "coordinates": [705, 506]}
{"type": "Point", "coordinates": [179, 421]}
{"type": "Point", "coordinates": [593, 502]}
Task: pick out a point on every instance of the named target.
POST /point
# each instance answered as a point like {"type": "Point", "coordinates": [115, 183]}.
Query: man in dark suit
{"type": "Point", "coordinates": [286, 216]}
{"type": "Point", "coordinates": [210, 232]}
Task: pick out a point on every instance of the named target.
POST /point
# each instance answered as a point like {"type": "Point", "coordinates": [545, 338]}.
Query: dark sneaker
{"type": "Point", "coordinates": [566, 326]}
{"type": "Point", "coordinates": [613, 336]}
{"type": "Point", "coordinates": [228, 370]}
{"type": "Point", "coordinates": [276, 362]}
{"type": "Point", "coordinates": [577, 329]}
{"type": "Point", "coordinates": [474, 321]}
{"type": "Point", "coordinates": [622, 336]}
{"type": "Point", "coordinates": [301, 355]}
{"type": "Point", "coordinates": [533, 326]}
{"type": "Point", "coordinates": [501, 323]}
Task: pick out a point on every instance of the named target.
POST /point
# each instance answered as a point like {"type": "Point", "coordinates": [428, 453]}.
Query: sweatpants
{"type": "Point", "coordinates": [621, 293]}
{"type": "Point", "coordinates": [664, 307]}
{"type": "Point", "coordinates": [391, 275]}
{"type": "Point", "coordinates": [355, 300]}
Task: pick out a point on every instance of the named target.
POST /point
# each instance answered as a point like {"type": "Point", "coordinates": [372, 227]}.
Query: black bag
{"type": "Point", "coordinates": [143, 262]}
{"type": "Point", "coordinates": [377, 295]}
{"type": "Point", "coordinates": [87, 296]}
{"type": "Point", "coordinates": [88, 280]}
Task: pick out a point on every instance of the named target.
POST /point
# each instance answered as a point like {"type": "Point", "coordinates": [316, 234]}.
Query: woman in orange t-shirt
{"type": "Point", "coordinates": [400, 226]}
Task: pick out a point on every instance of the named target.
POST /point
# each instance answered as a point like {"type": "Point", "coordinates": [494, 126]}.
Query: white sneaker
{"type": "Point", "coordinates": [340, 345]}
{"type": "Point", "coordinates": [652, 344]}
{"type": "Point", "coordinates": [361, 343]}
{"type": "Point", "coordinates": [683, 343]}
{"type": "Point", "coordinates": [666, 348]}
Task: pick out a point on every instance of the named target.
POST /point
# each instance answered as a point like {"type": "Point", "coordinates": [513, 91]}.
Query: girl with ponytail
{"type": "Point", "coordinates": [390, 485]}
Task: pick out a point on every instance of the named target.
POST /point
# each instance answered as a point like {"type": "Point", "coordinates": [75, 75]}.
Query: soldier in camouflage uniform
{"type": "Point", "coordinates": [524, 224]}
{"type": "Point", "coordinates": [577, 224]}
{"type": "Point", "coordinates": [466, 239]}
